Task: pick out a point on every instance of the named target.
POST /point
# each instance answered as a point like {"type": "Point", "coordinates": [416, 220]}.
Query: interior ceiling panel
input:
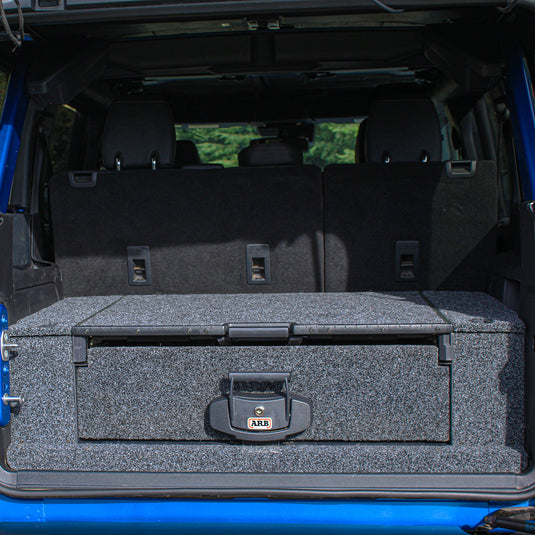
{"type": "Point", "coordinates": [145, 29]}
{"type": "Point", "coordinates": [267, 52]}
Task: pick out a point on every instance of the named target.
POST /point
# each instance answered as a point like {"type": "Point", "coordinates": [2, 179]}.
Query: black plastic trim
{"type": "Point", "coordinates": [341, 330]}
{"type": "Point", "coordinates": [156, 330]}
{"type": "Point", "coordinates": [499, 487]}
{"type": "Point", "coordinates": [227, 8]}
{"type": "Point", "coordinates": [262, 330]}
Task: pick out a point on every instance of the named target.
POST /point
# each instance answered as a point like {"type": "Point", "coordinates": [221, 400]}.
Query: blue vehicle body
{"type": "Point", "coordinates": [11, 124]}
{"type": "Point", "coordinates": [244, 516]}
{"type": "Point", "coordinates": [251, 515]}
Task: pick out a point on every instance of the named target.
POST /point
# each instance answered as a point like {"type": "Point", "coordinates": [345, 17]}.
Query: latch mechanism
{"type": "Point", "coordinates": [446, 351]}
{"type": "Point", "coordinates": [258, 264]}
{"type": "Point", "coordinates": [139, 273]}
{"type": "Point", "coordinates": [254, 25]}
{"type": "Point", "coordinates": [7, 348]}
{"type": "Point", "coordinates": [407, 261]}
{"type": "Point", "coordinates": [258, 331]}
{"type": "Point", "coordinates": [260, 416]}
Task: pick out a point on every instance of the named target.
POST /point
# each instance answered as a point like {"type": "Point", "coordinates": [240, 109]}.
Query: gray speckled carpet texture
{"type": "Point", "coordinates": [382, 405]}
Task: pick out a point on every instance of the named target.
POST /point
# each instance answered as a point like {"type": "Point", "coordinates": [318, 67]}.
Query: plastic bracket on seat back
{"type": "Point", "coordinates": [83, 179]}
{"type": "Point", "coordinates": [461, 168]}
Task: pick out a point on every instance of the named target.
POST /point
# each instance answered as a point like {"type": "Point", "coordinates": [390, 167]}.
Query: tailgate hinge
{"type": "Point", "coordinates": [79, 350]}
{"type": "Point", "coordinates": [446, 351]}
{"type": "Point", "coordinates": [7, 350]}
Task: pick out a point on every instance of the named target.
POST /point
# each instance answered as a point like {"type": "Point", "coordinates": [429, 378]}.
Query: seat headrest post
{"type": "Point", "coordinates": [154, 161]}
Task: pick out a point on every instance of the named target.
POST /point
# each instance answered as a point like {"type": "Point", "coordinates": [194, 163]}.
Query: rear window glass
{"type": "Point", "coordinates": [333, 142]}
{"type": "Point", "coordinates": [218, 144]}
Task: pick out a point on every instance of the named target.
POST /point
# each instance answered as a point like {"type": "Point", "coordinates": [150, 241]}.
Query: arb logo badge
{"type": "Point", "coordinates": [259, 424]}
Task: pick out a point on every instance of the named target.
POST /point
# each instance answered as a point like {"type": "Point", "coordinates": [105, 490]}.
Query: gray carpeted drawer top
{"type": "Point", "coordinates": [465, 311]}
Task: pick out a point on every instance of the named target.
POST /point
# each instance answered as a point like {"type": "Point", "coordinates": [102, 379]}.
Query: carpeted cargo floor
{"type": "Point", "coordinates": [382, 404]}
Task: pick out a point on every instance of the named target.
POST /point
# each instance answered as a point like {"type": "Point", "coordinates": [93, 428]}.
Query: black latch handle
{"type": "Point", "coordinates": [259, 331]}
{"type": "Point", "coordinates": [259, 377]}
{"type": "Point", "coordinates": [260, 417]}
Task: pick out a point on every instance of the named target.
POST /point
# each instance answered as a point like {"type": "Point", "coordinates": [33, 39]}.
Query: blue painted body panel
{"type": "Point", "coordinates": [521, 102]}
{"type": "Point", "coordinates": [216, 529]}
{"type": "Point", "coordinates": [3, 318]}
{"type": "Point", "coordinates": [248, 516]}
{"type": "Point", "coordinates": [11, 123]}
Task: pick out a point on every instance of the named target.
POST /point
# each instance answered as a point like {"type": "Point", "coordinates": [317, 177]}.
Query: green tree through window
{"type": "Point", "coordinates": [333, 143]}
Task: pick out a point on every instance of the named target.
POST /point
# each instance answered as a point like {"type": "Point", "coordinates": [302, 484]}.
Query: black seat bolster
{"type": "Point", "coordinates": [371, 207]}
{"type": "Point", "coordinates": [186, 153]}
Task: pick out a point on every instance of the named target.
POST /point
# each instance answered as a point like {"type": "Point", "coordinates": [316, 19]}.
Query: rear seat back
{"type": "Point", "coordinates": [240, 230]}
{"type": "Point", "coordinates": [404, 220]}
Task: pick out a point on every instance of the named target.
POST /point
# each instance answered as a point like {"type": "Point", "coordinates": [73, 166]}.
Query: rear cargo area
{"type": "Point", "coordinates": [400, 382]}
{"type": "Point", "coordinates": [289, 261]}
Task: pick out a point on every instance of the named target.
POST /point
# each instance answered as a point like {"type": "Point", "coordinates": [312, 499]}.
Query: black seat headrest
{"type": "Point", "coordinates": [138, 134]}
{"type": "Point", "coordinates": [186, 153]}
{"type": "Point", "coordinates": [404, 130]}
{"type": "Point", "coordinates": [265, 153]}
